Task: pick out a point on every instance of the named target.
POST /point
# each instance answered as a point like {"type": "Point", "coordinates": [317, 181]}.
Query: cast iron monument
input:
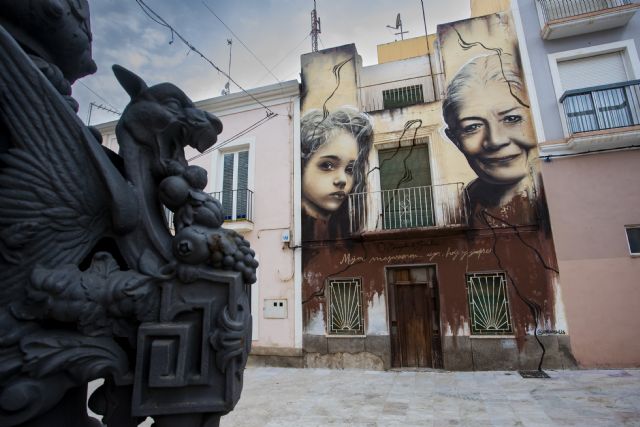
{"type": "Point", "coordinates": [92, 282]}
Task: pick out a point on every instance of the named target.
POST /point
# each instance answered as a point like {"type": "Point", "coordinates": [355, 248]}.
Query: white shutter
{"type": "Point", "coordinates": [592, 71]}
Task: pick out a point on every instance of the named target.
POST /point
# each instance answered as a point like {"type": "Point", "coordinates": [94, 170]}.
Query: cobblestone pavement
{"type": "Point", "coordinates": [317, 397]}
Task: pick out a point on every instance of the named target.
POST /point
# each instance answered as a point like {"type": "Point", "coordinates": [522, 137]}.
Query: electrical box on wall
{"type": "Point", "coordinates": [286, 236]}
{"type": "Point", "coordinates": [275, 309]}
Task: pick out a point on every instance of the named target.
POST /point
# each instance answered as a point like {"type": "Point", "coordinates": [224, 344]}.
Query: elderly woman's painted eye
{"type": "Point", "coordinates": [515, 118]}
{"type": "Point", "coordinates": [326, 166]}
{"type": "Point", "coordinates": [471, 128]}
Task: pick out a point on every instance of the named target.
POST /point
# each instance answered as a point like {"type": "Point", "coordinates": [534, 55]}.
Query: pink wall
{"type": "Point", "coordinates": [272, 212]}
{"type": "Point", "coordinates": [591, 198]}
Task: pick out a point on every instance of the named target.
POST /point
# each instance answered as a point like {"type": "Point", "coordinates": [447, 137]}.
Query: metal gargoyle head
{"type": "Point", "coordinates": [171, 121]}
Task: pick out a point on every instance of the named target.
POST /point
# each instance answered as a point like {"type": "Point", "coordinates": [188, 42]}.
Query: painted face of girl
{"type": "Point", "coordinates": [328, 175]}
{"type": "Point", "coordinates": [494, 132]}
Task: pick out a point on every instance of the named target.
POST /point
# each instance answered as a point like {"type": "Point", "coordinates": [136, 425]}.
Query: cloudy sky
{"type": "Point", "coordinates": [275, 31]}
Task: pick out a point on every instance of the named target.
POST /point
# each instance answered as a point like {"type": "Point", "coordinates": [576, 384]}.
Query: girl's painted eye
{"type": "Point", "coordinates": [471, 128]}
{"type": "Point", "coordinates": [512, 119]}
{"type": "Point", "coordinates": [326, 166]}
{"type": "Point", "coordinates": [349, 168]}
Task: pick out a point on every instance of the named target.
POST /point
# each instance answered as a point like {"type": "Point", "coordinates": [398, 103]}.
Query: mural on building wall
{"type": "Point", "coordinates": [404, 196]}
{"type": "Point", "coordinates": [335, 149]}
{"type": "Point", "coordinates": [487, 117]}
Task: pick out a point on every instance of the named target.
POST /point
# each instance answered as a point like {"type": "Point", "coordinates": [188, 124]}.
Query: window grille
{"type": "Point", "coordinates": [402, 96]}
{"type": "Point", "coordinates": [345, 307]}
{"type": "Point", "coordinates": [488, 304]}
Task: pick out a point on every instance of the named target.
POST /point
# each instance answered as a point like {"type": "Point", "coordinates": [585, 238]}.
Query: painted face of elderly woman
{"type": "Point", "coordinates": [487, 116]}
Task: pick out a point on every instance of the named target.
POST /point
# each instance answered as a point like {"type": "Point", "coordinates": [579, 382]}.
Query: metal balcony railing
{"type": "Point", "coordinates": [602, 107]}
{"type": "Point", "coordinates": [237, 205]}
{"type": "Point", "coordinates": [434, 206]}
{"type": "Point", "coordinates": [561, 9]}
{"type": "Point", "coordinates": [401, 93]}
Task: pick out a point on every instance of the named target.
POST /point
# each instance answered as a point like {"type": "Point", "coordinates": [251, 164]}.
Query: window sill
{"type": "Point", "coordinates": [240, 225]}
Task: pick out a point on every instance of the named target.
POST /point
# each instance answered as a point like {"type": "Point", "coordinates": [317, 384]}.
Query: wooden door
{"type": "Point", "coordinates": [414, 317]}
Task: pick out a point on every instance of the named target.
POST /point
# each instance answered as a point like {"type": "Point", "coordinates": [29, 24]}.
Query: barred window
{"type": "Point", "coordinates": [402, 96]}
{"type": "Point", "coordinates": [488, 304]}
{"type": "Point", "coordinates": [345, 307]}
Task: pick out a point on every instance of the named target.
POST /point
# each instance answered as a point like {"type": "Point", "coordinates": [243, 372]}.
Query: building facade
{"type": "Point", "coordinates": [249, 171]}
{"type": "Point", "coordinates": [582, 59]}
{"type": "Point", "coordinates": [424, 227]}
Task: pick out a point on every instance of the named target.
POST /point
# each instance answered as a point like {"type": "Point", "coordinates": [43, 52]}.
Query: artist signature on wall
{"type": "Point", "coordinates": [450, 254]}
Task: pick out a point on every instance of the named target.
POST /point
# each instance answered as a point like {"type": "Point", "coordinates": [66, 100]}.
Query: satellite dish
{"type": "Point", "coordinates": [398, 26]}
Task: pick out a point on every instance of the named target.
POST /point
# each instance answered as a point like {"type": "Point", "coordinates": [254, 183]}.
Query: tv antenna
{"type": "Point", "coordinates": [398, 26]}
{"type": "Point", "coordinates": [227, 86]}
{"type": "Point", "coordinates": [315, 28]}
{"type": "Point", "coordinates": [93, 105]}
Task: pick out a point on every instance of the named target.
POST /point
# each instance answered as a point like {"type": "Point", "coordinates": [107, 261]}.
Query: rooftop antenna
{"type": "Point", "coordinates": [398, 25]}
{"type": "Point", "coordinates": [93, 105]}
{"type": "Point", "coordinates": [227, 87]}
{"type": "Point", "coordinates": [315, 28]}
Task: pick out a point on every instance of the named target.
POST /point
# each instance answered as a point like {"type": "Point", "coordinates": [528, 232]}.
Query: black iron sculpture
{"type": "Point", "coordinates": [92, 282]}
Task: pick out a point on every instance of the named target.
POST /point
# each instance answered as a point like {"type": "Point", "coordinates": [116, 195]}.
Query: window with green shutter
{"type": "Point", "coordinates": [405, 181]}
{"type": "Point", "coordinates": [235, 182]}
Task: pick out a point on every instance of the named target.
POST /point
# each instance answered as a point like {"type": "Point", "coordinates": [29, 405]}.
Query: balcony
{"type": "Point", "coordinates": [608, 115]}
{"type": "Point", "coordinates": [401, 93]}
{"type": "Point", "coordinates": [429, 207]}
{"type": "Point", "coordinates": [237, 207]}
{"type": "Point", "coordinates": [565, 18]}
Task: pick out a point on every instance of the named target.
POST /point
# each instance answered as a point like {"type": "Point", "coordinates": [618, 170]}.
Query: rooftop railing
{"type": "Point", "coordinates": [602, 107]}
{"type": "Point", "coordinates": [433, 206]}
{"type": "Point", "coordinates": [401, 93]}
{"type": "Point", "coordinates": [561, 9]}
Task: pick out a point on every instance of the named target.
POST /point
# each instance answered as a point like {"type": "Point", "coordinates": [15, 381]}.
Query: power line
{"type": "Point", "coordinates": [241, 42]}
{"type": "Point", "coordinates": [93, 105]}
{"type": "Point", "coordinates": [155, 17]}
{"type": "Point", "coordinates": [283, 58]}
{"type": "Point", "coordinates": [96, 94]}
{"type": "Point", "coordinates": [234, 137]}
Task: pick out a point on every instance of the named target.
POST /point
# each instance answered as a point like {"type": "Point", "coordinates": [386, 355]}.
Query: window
{"type": "Point", "coordinates": [633, 238]}
{"type": "Point", "coordinates": [345, 307]}
{"type": "Point", "coordinates": [596, 89]}
{"type": "Point", "coordinates": [235, 195]}
{"type": "Point", "coordinates": [405, 181]}
{"type": "Point", "coordinates": [402, 96]}
{"type": "Point", "coordinates": [591, 103]}
{"type": "Point", "coordinates": [488, 304]}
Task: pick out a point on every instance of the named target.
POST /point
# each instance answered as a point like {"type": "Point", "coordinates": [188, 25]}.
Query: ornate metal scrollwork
{"type": "Point", "coordinates": [92, 282]}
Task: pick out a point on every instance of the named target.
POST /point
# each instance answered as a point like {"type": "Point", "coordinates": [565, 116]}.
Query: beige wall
{"type": "Point", "coordinates": [405, 49]}
{"type": "Point", "coordinates": [485, 7]}
{"type": "Point", "coordinates": [591, 198]}
{"type": "Point", "coordinates": [320, 83]}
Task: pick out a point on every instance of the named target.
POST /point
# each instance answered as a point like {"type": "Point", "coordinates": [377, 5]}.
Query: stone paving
{"type": "Point", "coordinates": [286, 397]}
